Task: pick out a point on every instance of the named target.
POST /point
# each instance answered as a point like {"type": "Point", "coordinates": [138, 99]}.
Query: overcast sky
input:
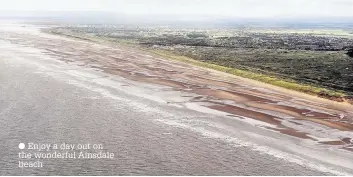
{"type": "Point", "coordinates": [233, 8]}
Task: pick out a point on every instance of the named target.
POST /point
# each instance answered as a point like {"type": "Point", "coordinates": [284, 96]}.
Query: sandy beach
{"type": "Point", "coordinates": [306, 120]}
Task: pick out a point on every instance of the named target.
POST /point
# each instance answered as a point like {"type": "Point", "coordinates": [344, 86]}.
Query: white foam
{"type": "Point", "coordinates": [255, 147]}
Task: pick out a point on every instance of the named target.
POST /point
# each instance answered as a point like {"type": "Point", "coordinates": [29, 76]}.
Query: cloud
{"type": "Point", "coordinates": [234, 8]}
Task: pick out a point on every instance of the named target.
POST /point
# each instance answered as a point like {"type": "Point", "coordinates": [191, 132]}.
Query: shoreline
{"type": "Point", "coordinates": [218, 88]}
{"type": "Point", "coordinates": [161, 83]}
{"type": "Point", "coordinates": [267, 81]}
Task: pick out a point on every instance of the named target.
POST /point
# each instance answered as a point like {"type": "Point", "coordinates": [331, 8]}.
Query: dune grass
{"type": "Point", "coordinates": [288, 84]}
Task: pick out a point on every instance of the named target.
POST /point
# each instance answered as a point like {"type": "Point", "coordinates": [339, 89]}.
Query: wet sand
{"type": "Point", "coordinates": [287, 111]}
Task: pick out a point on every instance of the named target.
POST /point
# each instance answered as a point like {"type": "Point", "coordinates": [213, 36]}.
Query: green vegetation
{"type": "Point", "coordinates": [315, 32]}
{"type": "Point", "coordinates": [350, 52]}
{"type": "Point", "coordinates": [196, 35]}
{"type": "Point", "coordinates": [289, 84]}
{"type": "Point", "coordinates": [306, 63]}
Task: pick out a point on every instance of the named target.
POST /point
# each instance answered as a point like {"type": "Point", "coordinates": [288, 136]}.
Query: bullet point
{"type": "Point", "coordinates": [21, 146]}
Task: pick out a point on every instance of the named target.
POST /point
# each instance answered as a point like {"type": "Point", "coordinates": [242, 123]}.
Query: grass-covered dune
{"type": "Point", "coordinates": [312, 70]}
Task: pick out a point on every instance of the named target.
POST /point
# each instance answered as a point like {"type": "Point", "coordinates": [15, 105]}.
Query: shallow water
{"type": "Point", "coordinates": [151, 129]}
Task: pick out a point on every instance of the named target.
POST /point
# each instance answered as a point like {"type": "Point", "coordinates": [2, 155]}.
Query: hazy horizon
{"type": "Point", "coordinates": [181, 12]}
{"type": "Point", "coordinates": [266, 9]}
